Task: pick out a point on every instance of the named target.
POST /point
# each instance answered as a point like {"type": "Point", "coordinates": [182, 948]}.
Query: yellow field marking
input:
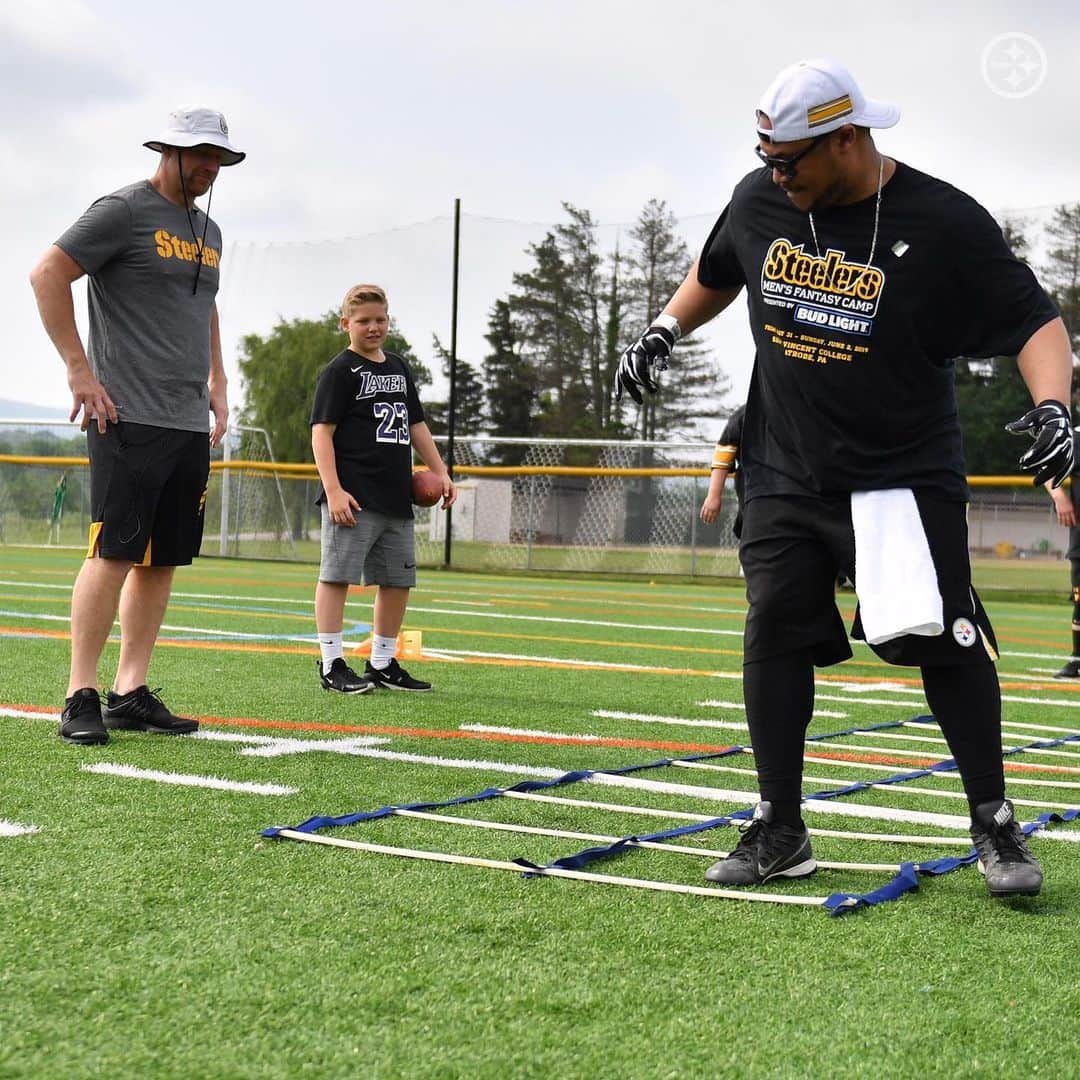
{"type": "Point", "coordinates": [579, 641]}
{"type": "Point", "coordinates": [63, 598]}
{"type": "Point", "coordinates": [181, 606]}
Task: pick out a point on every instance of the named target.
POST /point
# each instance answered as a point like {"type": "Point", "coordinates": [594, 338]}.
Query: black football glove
{"type": "Point", "coordinates": [1051, 455]}
{"type": "Point", "coordinates": [652, 349]}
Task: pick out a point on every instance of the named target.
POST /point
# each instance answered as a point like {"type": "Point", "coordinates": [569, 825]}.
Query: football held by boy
{"type": "Point", "coordinates": [365, 423]}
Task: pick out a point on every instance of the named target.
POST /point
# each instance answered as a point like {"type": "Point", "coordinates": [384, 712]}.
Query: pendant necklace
{"type": "Point", "coordinates": [877, 218]}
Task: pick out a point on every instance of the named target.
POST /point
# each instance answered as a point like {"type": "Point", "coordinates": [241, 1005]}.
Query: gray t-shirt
{"type": "Point", "coordinates": [149, 335]}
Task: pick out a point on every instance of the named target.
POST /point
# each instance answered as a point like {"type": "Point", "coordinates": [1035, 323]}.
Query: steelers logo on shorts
{"type": "Point", "coordinates": [963, 630]}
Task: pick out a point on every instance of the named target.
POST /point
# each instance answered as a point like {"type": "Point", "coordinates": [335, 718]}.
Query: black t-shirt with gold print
{"type": "Point", "coordinates": [852, 387]}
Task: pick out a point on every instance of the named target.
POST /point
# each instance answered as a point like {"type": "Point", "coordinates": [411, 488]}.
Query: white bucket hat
{"type": "Point", "coordinates": [196, 125]}
{"type": "Point", "coordinates": [813, 97]}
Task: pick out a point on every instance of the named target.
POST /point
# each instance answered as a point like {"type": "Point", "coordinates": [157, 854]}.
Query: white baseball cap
{"type": "Point", "coordinates": [813, 97]}
{"type": "Point", "coordinates": [196, 125]}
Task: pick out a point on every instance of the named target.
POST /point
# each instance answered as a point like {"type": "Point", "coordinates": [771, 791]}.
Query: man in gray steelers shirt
{"type": "Point", "coordinates": [146, 383]}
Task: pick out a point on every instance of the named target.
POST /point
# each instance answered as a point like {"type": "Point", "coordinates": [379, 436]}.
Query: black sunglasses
{"type": "Point", "coordinates": [786, 166]}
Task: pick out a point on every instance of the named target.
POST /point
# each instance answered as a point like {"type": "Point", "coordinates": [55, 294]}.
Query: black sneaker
{"type": "Point", "coordinates": [80, 721]}
{"type": "Point", "coordinates": [343, 679]}
{"type": "Point", "coordinates": [1070, 671]}
{"type": "Point", "coordinates": [394, 677]}
{"type": "Point", "coordinates": [1004, 857]}
{"type": "Point", "coordinates": [765, 851]}
{"type": "Point", "coordinates": [143, 710]}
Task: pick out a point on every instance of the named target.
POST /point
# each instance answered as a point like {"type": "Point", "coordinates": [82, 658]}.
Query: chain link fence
{"type": "Point", "coordinates": [562, 505]}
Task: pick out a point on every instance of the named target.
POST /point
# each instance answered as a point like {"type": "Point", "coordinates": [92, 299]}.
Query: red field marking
{"type": "Point", "coordinates": [23, 631]}
{"type": "Point", "coordinates": [1055, 685]}
{"type": "Point", "coordinates": [1049, 639]}
{"type": "Point", "coordinates": [818, 750]}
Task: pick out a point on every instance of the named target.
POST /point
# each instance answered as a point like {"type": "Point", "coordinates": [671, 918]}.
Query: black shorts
{"type": "Point", "coordinates": [793, 550]}
{"type": "Point", "coordinates": [147, 493]}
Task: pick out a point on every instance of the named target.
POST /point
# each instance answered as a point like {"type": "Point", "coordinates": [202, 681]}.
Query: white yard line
{"type": "Point", "coordinates": [15, 828]}
{"type": "Point", "coordinates": [269, 746]}
{"type": "Point", "coordinates": [131, 772]}
{"type": "Point", "coordinates": [674, 721]}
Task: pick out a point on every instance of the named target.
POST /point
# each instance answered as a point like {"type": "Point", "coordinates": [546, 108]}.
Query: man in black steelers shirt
{"type": "Point", "coordinates": [864, 278]}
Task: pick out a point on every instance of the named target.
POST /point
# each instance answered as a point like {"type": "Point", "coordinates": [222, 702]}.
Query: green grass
{"type": "Point", "coordinates": [149, 931]}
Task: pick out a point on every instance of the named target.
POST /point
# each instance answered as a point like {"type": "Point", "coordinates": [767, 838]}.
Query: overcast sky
{"type": "Point", "coordinates": [363, 121]}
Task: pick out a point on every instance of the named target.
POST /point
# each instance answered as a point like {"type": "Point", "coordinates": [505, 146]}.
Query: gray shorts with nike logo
{"type": "Point", "coordinates": [377, 550]}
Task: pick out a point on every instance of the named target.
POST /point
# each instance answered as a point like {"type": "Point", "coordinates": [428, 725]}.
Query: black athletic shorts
{"type": "Point", "coordinates": [147, 493]}
{"type": "Point", "coordinates": [793, 550]}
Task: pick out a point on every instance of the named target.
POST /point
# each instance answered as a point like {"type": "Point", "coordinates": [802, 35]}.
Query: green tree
{"type": "Point", "coordinates": [540, 311]}
{"type": "Point", "coordinates": [657, 262]}
{"type": "Point", "coordinates": [1061, 274]}
{"type": "Point", "coordinates": [279, 374]}
{"type": "Point", "coordinates": [512, 399]}
{"type": "Point", "coordinates": [585, 366]}
{"type": "Point", "coordinates": [557, 310]}
{"type": "Point", "coordinates": [469, 397]}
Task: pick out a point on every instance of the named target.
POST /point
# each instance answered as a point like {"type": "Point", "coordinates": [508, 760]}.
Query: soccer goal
{"type": "Point", "coordinates": [45, 491]}
{"type": "Point", "coordinates": [246, 502]}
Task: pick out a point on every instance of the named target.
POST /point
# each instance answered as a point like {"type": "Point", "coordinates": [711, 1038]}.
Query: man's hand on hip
{"type": "Point", "coordinates": [91, 397]}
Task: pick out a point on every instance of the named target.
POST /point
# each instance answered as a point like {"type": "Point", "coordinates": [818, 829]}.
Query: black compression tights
{"type": "Point", "coordinates": [966, 702]}
{"type": "Point", "coordinates": [779, 696]}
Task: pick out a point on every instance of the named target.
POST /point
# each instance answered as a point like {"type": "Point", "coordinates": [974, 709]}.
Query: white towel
{"type": "Point", "coordinates": [895, 577]}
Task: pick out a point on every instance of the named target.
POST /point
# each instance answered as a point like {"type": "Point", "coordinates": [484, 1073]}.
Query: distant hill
{"type": "Point", "coordinates": [17, 410]}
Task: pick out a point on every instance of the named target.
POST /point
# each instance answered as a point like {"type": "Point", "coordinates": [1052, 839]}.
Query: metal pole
{"type": "Point", "coordinates": [693, 526]}
{"type": "Point", "coordinates": [448, 544]}
{"type": "Point", "coordinates": [529, 524]}
{"type": "Point", "coordinates": [223, 543]}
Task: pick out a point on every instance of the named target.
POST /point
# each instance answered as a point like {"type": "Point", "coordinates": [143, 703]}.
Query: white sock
{"type": "Point", "coordinates": [382, 650]}
{"type": "Point", "coordinates": [331, 647]}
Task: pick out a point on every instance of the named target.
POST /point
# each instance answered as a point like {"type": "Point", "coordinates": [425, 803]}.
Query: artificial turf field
{"type": "Point", "coordinates": [148, 930]}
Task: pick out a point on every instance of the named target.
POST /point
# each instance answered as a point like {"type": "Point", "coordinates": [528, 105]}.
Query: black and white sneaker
{"type": "Point", "coordinates": [80, 721]}
{"type": "Point", "coordinates": [1004, 857]}
{"type": "Point", "coordinates": [343, 679]}
{"type": "Point", "coordinates": [765, 851]}
{"type": "Point", "coordinates": [142, 710]}
{"type": "Point", "coordinates": [1070, 671]}
{"type": "Point", "coordinates": [394, 677]}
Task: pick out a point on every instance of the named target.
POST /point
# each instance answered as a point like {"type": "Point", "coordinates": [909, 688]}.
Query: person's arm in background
{"type": "Point", "coordinates": [1063, 504]}
{"type": "Point", "coordinates": [722, 464]}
